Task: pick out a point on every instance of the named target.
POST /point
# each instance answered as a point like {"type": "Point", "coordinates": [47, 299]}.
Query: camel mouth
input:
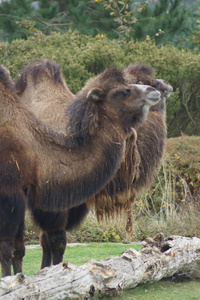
{"type": "Point", "coordinates": [164, 87]}
{"type": "Point", "coordinates": [168, 92]}
{"type": "Point", "coordinates": [153, 97]}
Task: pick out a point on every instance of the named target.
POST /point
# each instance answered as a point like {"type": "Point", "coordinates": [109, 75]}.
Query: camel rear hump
{"type": "Point", "coordinates": [43, 90]}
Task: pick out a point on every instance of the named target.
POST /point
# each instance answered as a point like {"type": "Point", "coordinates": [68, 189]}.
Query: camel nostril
{"type": "Point", "coordinates": [150, 89]}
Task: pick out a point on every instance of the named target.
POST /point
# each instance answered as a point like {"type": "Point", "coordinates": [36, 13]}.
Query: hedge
{"type": "Point", "coordinates": [82, 57]}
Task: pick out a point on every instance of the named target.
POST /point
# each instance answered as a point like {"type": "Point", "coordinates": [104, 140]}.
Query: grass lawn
{"type": "Point", "coordinates": [78, 254]}
{"type": "Point", "coordinates": [164, 290]}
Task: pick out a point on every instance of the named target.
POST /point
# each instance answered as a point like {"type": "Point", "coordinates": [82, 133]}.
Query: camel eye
{"type": "Point", "coordinates": [125, 93]}
{"type": "Point", "coordinates": [139, 82]}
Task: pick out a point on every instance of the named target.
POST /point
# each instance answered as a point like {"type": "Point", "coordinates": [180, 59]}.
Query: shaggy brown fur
{"type": "Point", "coordinates": [43, 91]}
{"type": "Point", "coordinates": [150, 146]}
{"type": "Point", "coordinates": [28, 83]}
{"type": "Point", "coordinates": [152, 133]}
{"type": "Point", "coordinates": [17, 176]}
{"type": "Point", "coordinates": [55, 169]}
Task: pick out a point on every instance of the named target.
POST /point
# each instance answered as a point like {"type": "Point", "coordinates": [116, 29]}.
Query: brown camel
{"type": "Point", "coordinates": [32, 85]}
{"type": "Point", "coordinates": [56, 169]}
{"type": "Point", "coordinates": [151, 136]}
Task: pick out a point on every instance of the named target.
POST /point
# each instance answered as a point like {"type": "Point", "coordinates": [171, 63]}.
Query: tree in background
{"type": "Point", "coordinates": [49, 16]}
{"type": "Point", "coordinates": [196, 32]}
{"type": "Point", "coordinates": [123, 14]}
{"type": "Point", "coordinates": [10, 13]}
{"type": "Point", "coordinates": [168, 21]}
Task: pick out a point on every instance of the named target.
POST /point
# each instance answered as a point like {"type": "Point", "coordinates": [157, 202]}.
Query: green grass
{"type": "Point", "coordinates": [164, 290]}
{"type": "Point", "coordinates": [77, 254]}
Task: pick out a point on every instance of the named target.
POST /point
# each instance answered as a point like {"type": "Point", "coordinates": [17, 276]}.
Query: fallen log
{"type": "Point", "coordinates": [159, 258]}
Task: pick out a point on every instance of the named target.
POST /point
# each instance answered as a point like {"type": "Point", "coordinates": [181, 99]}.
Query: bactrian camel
{"type": "Point", "coordinates": [60, 169]}
{"type": "Point", "coordinates": [121, 191]}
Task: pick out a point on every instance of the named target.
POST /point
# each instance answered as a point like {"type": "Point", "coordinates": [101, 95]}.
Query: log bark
{"type": "Point", "coordinates": [159, 258]}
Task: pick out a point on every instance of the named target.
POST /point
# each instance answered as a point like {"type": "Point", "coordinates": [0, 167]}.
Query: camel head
{"type": "Point", "coordinates": [122, 103]}
{"type": "Point", "coordinates": [164, 88]}
{"type": "Point", "coordinates": [143, 74]}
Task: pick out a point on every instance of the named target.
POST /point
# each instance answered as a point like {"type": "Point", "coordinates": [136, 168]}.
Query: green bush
{"type": "Point", "coordinates": [82, 57]}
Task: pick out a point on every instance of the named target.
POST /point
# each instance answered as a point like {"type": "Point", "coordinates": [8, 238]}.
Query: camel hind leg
{"type": "Point", "coordinates": [57, 242]}
{"type": "Point", "coordinates": [53, 247]}
{"type": "Point", "coordinates": [46, 251]}
{"type": "Point", "coordinates": [53, 236]}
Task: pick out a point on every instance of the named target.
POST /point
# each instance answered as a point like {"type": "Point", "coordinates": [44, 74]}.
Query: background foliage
{"type": "Point", "coordinates": [171, 21]}
{"type": "Point", "coordinates": [60, 16]}
{"type": "Point", "coordinates": [83, 56]}
{"type": "Point", "coordinates": [87, 36]}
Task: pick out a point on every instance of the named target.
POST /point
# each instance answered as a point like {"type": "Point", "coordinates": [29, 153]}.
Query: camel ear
{"type": "Point", "coordinates": [95, 95]}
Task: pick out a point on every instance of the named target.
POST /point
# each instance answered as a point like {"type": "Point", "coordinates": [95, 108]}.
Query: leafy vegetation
{"type": "Point", "coordinates": [172, 206]}
{"type": "Point", "coordinates": [83, 56]}
{"type": "Point", "coordinates": [196, 32]}
{"type": "Point", "coordinates": [123, 14]}
{"type": "Point", "coordinates": [170, 22]}
{"type": "Point", "coordinates": [55, 16]}
{"type": "Point", "coordinates": [163, 20]}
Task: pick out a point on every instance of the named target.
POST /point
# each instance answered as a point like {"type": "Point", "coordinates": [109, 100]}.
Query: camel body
{"type": "Point", "coordinates": [56, 169]}
{"type": "Point", "coordinates": [136, 172]}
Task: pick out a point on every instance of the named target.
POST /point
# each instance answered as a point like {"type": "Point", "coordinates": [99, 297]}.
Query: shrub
{"type": "Point", "coordinates": [82, 57]}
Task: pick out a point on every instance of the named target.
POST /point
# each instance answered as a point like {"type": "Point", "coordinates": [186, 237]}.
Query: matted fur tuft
{"type": "Point", "coordinates": [83, 122]}
{"type": "Point", "coordinates": [37, 68]}
{"type": "Point", "coordinates": [142, 74]}
{"type": "Point", "coordinates": [5, 78]}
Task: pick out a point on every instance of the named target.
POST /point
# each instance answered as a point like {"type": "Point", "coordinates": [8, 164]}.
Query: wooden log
{"type": "Point", "coordinates": [159, 258]}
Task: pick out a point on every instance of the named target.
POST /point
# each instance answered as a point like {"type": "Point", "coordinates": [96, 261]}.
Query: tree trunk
{"type": "Point", "coordinates": [159, 258]}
